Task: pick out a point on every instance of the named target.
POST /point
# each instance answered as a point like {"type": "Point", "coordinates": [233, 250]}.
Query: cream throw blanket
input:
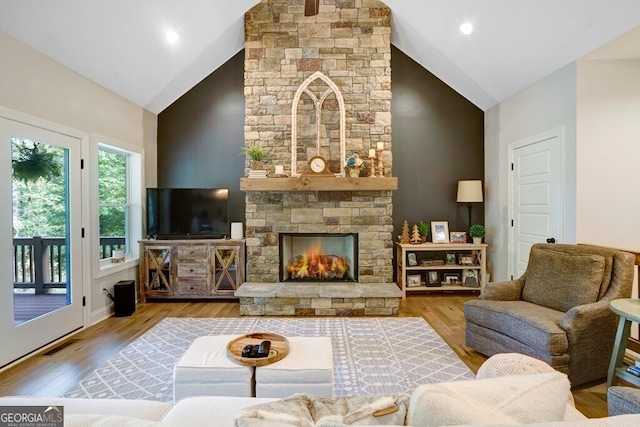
{"type": "Point", "coordinates": [304, 410]}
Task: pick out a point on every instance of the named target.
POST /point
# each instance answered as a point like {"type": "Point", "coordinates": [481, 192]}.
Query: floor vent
{"type": "Point", "coordinates": [56, 349]}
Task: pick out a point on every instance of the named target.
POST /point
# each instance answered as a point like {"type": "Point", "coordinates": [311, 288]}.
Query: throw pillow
{"type": "Point", "coordinates": [629, 420]}
{"type": "Point", "coordinates": [511, 400]}
{"type": "Point", "coordinates": [562, 281]}
{"type": "Point", "coordinates": [504, 364]}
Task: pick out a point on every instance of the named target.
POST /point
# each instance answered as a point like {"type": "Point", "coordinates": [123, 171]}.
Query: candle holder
{"type": "Point", "coordinates": [380, 166]}
{"type": "Point", "coordinates": [372, 172]}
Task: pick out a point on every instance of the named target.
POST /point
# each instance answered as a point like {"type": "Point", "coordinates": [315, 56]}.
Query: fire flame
{"type": "Point", "coordinates": [314, 264]}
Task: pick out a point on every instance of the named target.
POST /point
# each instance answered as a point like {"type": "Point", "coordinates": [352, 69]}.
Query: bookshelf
{"type": "Point", "coordinates": [419, 264]}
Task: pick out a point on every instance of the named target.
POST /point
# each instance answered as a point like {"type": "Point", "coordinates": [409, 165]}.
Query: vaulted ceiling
{"type": "Point", "coordinates": [120, 44]}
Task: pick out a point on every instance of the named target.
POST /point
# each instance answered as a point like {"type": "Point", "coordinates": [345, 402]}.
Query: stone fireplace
{"type": "Point", "coordinates": [348, 45]}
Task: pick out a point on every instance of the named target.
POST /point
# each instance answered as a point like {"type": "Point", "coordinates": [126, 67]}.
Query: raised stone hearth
{"type": "Point", "coordinates": [321, 299]}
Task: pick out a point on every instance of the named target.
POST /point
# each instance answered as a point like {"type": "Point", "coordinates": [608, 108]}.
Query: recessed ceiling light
{"type": "Point", "coordinates": [171, 36]}
{"type": "Point", "coordinates": [466, 28]}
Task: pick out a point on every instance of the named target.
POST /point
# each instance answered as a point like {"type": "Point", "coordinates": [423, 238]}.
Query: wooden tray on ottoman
{"type": "Point", "coordinates": [279, 348]}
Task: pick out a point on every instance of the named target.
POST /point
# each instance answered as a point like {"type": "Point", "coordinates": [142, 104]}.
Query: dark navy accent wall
{"type": "Point", "coordinates": [438, 139]}
{"type": "Point", "coordinates": [201, 135]}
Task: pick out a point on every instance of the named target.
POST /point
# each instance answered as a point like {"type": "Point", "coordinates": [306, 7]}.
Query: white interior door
{"type": "Point", "coordinates": [60, 267]}
{"type": "Point", "coordinates": [535, 196]}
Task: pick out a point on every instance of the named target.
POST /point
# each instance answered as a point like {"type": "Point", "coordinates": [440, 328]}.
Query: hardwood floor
{"type": "Point", "coordinates": [51, 373]}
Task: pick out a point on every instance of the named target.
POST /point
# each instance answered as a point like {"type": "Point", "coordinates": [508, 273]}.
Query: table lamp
{"type": "Point", "coordinates": [470, 192]}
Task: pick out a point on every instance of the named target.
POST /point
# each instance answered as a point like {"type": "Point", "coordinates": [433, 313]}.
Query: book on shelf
{"type": "Point", "coordinates": [637, 363]}
{"type": "Point", "coordinates": [257, 173]}
{"type": "Point", "coordinates": [634, 370]}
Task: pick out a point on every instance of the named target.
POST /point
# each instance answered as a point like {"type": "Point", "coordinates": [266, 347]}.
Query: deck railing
{"type": "Point", "coordinates": [40, 263]}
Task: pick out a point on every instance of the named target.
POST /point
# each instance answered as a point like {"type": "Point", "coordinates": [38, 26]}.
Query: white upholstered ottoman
{"type": "Point", "coordinates": [205, 370]}
{"type": "Point", "coordinates": [308, 368]}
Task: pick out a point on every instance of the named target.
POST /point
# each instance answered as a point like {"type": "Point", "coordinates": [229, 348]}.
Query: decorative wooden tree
{"type": "Point", "coordinates": [405, 232]}
{"type": "Point", "coordinates": [415, 235]}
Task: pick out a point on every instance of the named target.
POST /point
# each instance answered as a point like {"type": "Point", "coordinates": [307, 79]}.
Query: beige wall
{"type": "Point", "coordinates": [32, 83]}
{"type": "Point", "coordinates": [546, 105]}
{"type": "Point", "coordinates": [608, 129]}
{"type": "Point", "coordinates": [597, 101]}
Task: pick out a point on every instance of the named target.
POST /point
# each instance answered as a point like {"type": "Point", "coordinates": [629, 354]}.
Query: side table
{"type": "Point", "coordinates": [629, 311]}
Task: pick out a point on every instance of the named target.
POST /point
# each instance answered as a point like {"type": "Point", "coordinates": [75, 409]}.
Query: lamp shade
{"type": "Point", "coordinates": [470, 191]}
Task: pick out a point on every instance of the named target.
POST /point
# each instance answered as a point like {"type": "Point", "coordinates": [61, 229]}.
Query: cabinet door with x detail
{"type": "Point", "coordinates": [227, 277]}
{"type": "Point", "coordinates": [156, 271]}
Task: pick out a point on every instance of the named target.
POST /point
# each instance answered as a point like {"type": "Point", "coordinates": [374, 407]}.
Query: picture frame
{"type": "Point", "coordinates": [412, 261]}
{"type": "Point", "coordinates": [440, 231]}
{"type": "Point", "coordinates": [413, 280]}
{"type": "Point", "coordinates": [471, 278]}
{"type": "Point", "coordinates": [458, 237]}
{"type": "Point", "coordinates": [433, 278]}
{"type": "Point", "coordinates": [451, 258]}
{"type": "Point", "coordinates": [466, 259]}
{"type": "Point", "coordinates": [452, 278]}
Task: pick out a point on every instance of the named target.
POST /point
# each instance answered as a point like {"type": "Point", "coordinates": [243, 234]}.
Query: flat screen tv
{"type": "Point", "coordinates": [188, 213]}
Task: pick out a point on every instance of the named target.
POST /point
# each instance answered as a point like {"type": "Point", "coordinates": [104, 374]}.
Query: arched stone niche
{"type": "Point", "coordinates": [318, 125]}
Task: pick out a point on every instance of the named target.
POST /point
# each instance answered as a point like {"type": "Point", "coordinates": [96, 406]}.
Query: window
{"type": "Point", "coordinates": [113, 201]}
{"type": "Point", "coordinates": [118, 185]}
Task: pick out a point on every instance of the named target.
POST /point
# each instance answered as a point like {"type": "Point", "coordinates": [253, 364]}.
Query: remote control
{"type": "Point", "coordinates": [246, 351]}
{"type": "Point", "coordinates": [264, 348]}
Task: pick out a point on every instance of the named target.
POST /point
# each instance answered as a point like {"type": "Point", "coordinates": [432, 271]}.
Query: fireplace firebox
{"type": "Point", "coordinates": [318, 257]}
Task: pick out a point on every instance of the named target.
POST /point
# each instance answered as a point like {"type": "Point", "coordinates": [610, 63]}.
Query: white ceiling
{"type": "Point", "coordinates": [120, 44]}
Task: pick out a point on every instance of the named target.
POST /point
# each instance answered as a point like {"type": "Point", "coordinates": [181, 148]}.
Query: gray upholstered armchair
{"type": "Point", "coordinates": [558, 311]}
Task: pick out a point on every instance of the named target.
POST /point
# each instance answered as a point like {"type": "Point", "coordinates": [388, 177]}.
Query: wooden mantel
{"type": "Point", "coordinates": [319, 184]}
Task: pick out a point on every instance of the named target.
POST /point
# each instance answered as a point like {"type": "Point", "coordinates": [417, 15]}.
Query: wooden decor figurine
{"type": "Point", "coordinates": [415, 235]}
{"type": "Point", "coordinates": [405, 232]}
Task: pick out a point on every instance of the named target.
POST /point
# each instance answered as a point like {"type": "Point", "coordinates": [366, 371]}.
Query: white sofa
{"type": "Point", "coordinates": [191, 411]}
{"type": "Point", "coordinates": [501, 396]}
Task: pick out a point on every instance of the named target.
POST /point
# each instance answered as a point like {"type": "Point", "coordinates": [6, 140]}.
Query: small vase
{"type": "Point", "coordinates": [477, 240]}
{"type": "Point", "coordinates": [354, 173]}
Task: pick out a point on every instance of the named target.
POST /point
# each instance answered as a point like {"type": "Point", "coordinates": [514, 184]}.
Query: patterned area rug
{"type": "Point", "coordinates": [370, 355]}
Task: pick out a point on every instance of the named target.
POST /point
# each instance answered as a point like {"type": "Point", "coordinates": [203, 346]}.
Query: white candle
{"type": "Point", "coordinates": [380, 146]}
{"type": "Point", "coordinates": [279, 170]}
{"type": "Point", "coordinates": [236, 230]}
{"type": "Point", "coordinates": [372, 153]}
{"type": "Point", "coordinates": [117, 256]}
